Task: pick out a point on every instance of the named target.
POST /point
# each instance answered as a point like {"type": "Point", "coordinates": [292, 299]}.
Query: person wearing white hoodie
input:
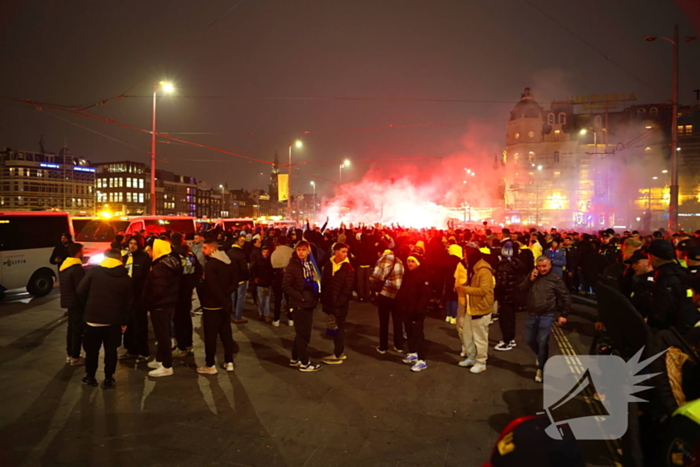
{"type": "Point", "coordinates": [215, 296]}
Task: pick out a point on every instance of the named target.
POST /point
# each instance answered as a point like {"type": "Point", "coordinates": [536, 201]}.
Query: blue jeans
{"type": "Point", "coordinates": [537, 331]}
{"type": "Point", "coordinates": [238, 299]}
{"type": "Point", "coordinates": [451, 308]}
{"type": "Point", "coordinates": [264, 301]}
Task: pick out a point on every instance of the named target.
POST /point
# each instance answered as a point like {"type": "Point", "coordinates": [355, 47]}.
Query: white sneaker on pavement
{"type": "Point", "coordinates": [162, 371]}
{"type": "Point", "coordinates": [463, 353]}
{"type": "Point", "coordinates": [228, 366]}
{"type": "Point", "coordinates": [207, 370]}
{"type": "Point", "coordinates": [276, 323]}
{"type": "Point", "coordinates": [290, 323]}
{"type": "Point", "coordinates": [538, 376]}
{"type": "Point", "coordinates": [503, 347]}
{"type": "Point", "coordinates": [467, 362]}
{"type": "Point", "coordinates": [155, 364]}
{"type": "Point", "coordinates": [478, 368]}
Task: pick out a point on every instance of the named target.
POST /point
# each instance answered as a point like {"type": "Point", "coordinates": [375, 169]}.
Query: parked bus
{"type": "Point", "coordinates": [27, 240]}
{"type": "Point", "coordinates": [227, 225]}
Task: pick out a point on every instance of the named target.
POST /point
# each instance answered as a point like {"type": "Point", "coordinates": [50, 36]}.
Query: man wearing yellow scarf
{"type": "Point", "coordinates": [70, 274]}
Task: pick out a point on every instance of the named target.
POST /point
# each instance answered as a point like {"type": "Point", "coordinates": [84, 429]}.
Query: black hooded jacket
{"type": "Point", "coordinates": [163, 283]}
{"type": "Point", "coordinates": [336, 289]}
{"type": "Point", "coordinates": [299, 296]}
{"type": "Point", "coordinates": [107, 295]}
{"type": "Point", "coordinates": [219, 282]}
{"type": "Point", "coordinates": [239, 262]}
{"type": "Point", "coordinates": [671, 304]}
{"type": "Point", "coordinates": [415, 291]}
{"type": "Point", "coordinates": [69, 279]}
{"type": "Point", "coordinates": [140, 267]}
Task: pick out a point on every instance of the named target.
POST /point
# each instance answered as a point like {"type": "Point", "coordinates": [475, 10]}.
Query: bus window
{"type": "Point", "coordinates": [23, 233]}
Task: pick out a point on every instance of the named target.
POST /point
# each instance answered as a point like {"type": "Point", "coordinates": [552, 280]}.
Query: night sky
{"type": "Point", "coordinates": [241, 67]}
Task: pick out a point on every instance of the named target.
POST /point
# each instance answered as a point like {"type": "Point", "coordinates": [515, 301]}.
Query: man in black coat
{"type": "Point", "coordinates": [70, 274]}
{"type": "Point", "coordinates": [239, 262]}
{"type": "Point", "coordinates": [337, 282]}
{"type": "Point", "coordinates": [138, 265]}
{"type": "Point", "coordinates": [106, 292]}
{"type": "Point", "coordinates": [215, 291]}
{"type": "Point", "coordinates": [261, 277]}
{"type": "Point", "coordinates": [412, 300]}
{"type": "Point", "coordinates": [191, 275]}
{"type": "Point", "coordinates": [300, 283]}
{"type": "Point", "coordinates": [60, 252]}
{"type": "Point", "coordinates": [671, 297]}
{"type": "Point", "coordinates": [160, 296]}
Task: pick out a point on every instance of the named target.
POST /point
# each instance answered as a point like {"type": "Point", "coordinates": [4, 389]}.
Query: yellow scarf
{"type": "Point", "coordinates": [336, 266]}
{"type": "Point", "coordinates": [130, 264]}
{"type": "Point", "coordinates": [110, 263]}
{"type": "Point", "coordinates": [68, 262]}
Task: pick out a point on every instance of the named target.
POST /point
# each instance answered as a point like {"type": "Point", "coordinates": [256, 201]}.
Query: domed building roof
{"type": "Point", "coordinates": [527, 107]}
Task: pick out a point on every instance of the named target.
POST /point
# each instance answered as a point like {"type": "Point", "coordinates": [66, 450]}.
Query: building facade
{"type": "Point", "coordinates": [604, 166]}
{"type": "Point", "coordinates": [123, 187]}
{"type": "Point", "coordinates": [176, 195]}
{"type": "Point", "coordinates": [208, 201]}
{"type": "Point", "coordinates": [39, 181]}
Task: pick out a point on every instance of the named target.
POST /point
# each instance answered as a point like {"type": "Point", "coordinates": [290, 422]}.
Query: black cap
{"type": "Point", "coordinates": [694, 253]}
{"type": "Point", "coordinates": [636, 256]}
{"type": "Point", "coordinates": [658, 234]}
{"type": "Point", "coordinates": [686, 244]}
{"type": "Point", "coordinates": [661, 249]}
{"type": "Point", "coordinates": [610, 231]}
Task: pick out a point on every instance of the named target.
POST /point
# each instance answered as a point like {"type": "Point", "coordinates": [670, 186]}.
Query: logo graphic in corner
{"type": "Point", "coordinates": [572, 384]}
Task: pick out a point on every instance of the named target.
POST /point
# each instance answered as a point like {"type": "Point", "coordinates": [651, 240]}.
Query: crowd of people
{"type": "Point", "coordinates": [472, 276]}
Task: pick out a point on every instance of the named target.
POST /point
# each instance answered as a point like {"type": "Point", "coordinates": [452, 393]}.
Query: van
{"type": "Point", "coordinates": [98, 235]}
{"type": "Point", "coordinates": [27, 240]}
{"type": "Point", "coordinates": [162, 224]}
{"type": "Point", "coordinates": [228, 225]}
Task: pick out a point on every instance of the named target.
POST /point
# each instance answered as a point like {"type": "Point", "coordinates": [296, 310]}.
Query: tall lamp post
{"type": "Point", "coordinates": [297, 144]}
{"type": "Point", "coordinates": [157, 86]}
{"type": "Point", "coordinates": [346, 163]}
{"type": "Point", "coordinates": [673, 202]}
{"type": "Point", "coordinates": [313, 185]}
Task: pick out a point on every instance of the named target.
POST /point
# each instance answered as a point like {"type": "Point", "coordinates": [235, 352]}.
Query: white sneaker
{"type": "Point", "coordinates": [503, 347]}
{"type": "Point", "coordinates": [420, 365]}
{"type": "Point", "coordinates": [538, 376]}
{"type": "Point", "coordinates": [173, 343]}
{"type": "Point", "coordinates": [228, 366]}
{"type": "Point", "coordinates": [162, 371]}
{"type": "Point", "coordinates": [513, 344]}
{"type": "Point", "coordinates": [155, 364]}
{"type": "Point", "coordinates": [69, 359]}
{"type": "Point", "coordinates": [207, 370]}
{"type": "Point", "coordinates": [478, 368]}
{"type": "Point", "coordinates": [463, 353]}
{"type": "Point", "coordinates": [276, 323]}
{"type": "Point", "coordinates": [290, 323]}
{"type": "Point", "coordinates": [467, 362]}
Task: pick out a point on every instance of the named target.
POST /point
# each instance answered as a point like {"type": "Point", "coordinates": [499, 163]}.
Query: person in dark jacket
{"type": "Point", "coordinates": [413, 299]}
{"type": "Point", "coordinates": [138, 264]}
{"type": "Point", "coordinates": [60, 252]}
{"type": "Point", "coordinates": [366, 257]}
{"type": "Point", "coordinates": [106, 292]}
{"type": "Point", "coordinates": [547, 294]}
{"type": "Point", "coordinates": [510, 272]}
{"type": "Point", "coordinates": [191, 275]}
{"type": "Point", "coordinates": [671, 299]}
{"type": "Point", "coordinates": [160, 295]}
{"type": "Point", "coordinates": [642, 282]}
{"type": "Point", "coordinates": [215, 297]}
{"type": "Point", "coordinates": [261, 276]}
{"type": "Point", "coordinates": [70, 274]}
{"type": "Point", "coordinates": [300, 283]}
{"type": "Point", "coordinates": [337, 283]}
{"type": "Point", "coordinates": [239, 262]}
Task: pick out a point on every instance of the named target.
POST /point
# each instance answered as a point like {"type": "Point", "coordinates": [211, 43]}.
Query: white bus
{"type": "Point", "coordinates": [27, 240]}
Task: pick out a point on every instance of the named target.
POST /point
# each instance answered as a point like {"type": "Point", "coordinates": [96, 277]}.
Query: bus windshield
{"type": "Point", "coordinates": [175, 225]}
{"type": "Point", "coordinates": [100, 230]}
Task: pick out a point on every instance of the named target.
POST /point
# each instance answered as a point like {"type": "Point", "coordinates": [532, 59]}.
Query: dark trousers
{"type": "Point", "coordinates": [136, 335]}
{"type": "Point", "coordinates": [94, 338]}
{"type": "Point", "coordinates": [414, 325]}
{"type": "Point", "coordinates": [303, 322]}
{"type": "Point", "coordinates": [506, 321]}
{"type": "Point", "coordinates": [253, 289]}
{"type": "Point", "coordinates": [339, 338]}
{"type": "Point", "coordinates": [362, 276]}
{"type": "Point", "coordinates": [217, 323]}
{"type": "Point", "coordinates": [277, 295]}
{"type": "Point", "coordinates": [537, 331]}
{"type": "Point", "coordinates": [74, 333]}
{"type": "Point", "coordinates": [161, 320]}
{"type": "Point", "coordinates": [182, 320]}
{"type": "Point", "coordinates": [387, 308]}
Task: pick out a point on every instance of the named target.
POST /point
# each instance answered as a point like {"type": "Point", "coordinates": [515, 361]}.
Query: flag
{"type": "Point", "coordinates": [283, 186]}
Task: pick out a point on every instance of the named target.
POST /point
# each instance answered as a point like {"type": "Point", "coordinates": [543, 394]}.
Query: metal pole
{"type": "Point", "coordinates": [153, 153]}
{"type": "Point", "coordinates": [289, 185]}
{"type": "Point", "coordinates": [673, 204]}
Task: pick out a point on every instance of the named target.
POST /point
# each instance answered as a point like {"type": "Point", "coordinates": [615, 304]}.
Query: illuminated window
{"type": "Point", "coordinates": [557, 174]}
{"type": "Point", "coordinates": [128, 197]}
{"type": "Point", "coordinates": [680, 129]}
{"type": "Point", "coordinates": [121, 182]}
{"type": "Point", "coordinates": [141, 183]}
{"type": "Point", "coordinates": [141, 197]}
{"type": "Point", "coordinates": [128, 182]}
{"type": "Point", "coordinates": [550, 119]}
{"type": "Point", "coordinates": [531, 134]}
{"type": "Point", "coordinates": [689, 129]}
{"type": "Point", "coordinates": [111, 183]}
{"type": "Point", "coordinates": [556, 132]}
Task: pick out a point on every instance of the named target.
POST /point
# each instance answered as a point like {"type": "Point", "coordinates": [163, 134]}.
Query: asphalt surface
{"type": "Point", "coordinates": [369, 411]}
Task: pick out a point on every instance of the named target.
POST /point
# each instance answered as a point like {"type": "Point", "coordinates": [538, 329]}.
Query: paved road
{"type": "Point", "coordinates": [370, 411]}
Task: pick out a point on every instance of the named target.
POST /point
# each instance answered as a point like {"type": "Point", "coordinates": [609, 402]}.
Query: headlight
{"type": "Point", "coordinates": [97, 259]}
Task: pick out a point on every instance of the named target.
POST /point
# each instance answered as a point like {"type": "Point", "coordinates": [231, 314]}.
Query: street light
{"type": "Point", "coordinates": [157, 86]}
{"type": "Point", "coordinates": [297, 144]}
{"type": "Point", "coordinates": [346, 163]}
{"type": "Point", "coordinates": [673, 202]}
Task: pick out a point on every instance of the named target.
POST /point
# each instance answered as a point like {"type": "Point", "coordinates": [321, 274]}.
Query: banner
{"type": "Point", "coordinates": [283, 186]}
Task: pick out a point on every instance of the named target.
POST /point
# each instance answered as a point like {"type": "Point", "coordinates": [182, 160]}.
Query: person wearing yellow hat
{"type": "Point", "coordinates": [455, 256]}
